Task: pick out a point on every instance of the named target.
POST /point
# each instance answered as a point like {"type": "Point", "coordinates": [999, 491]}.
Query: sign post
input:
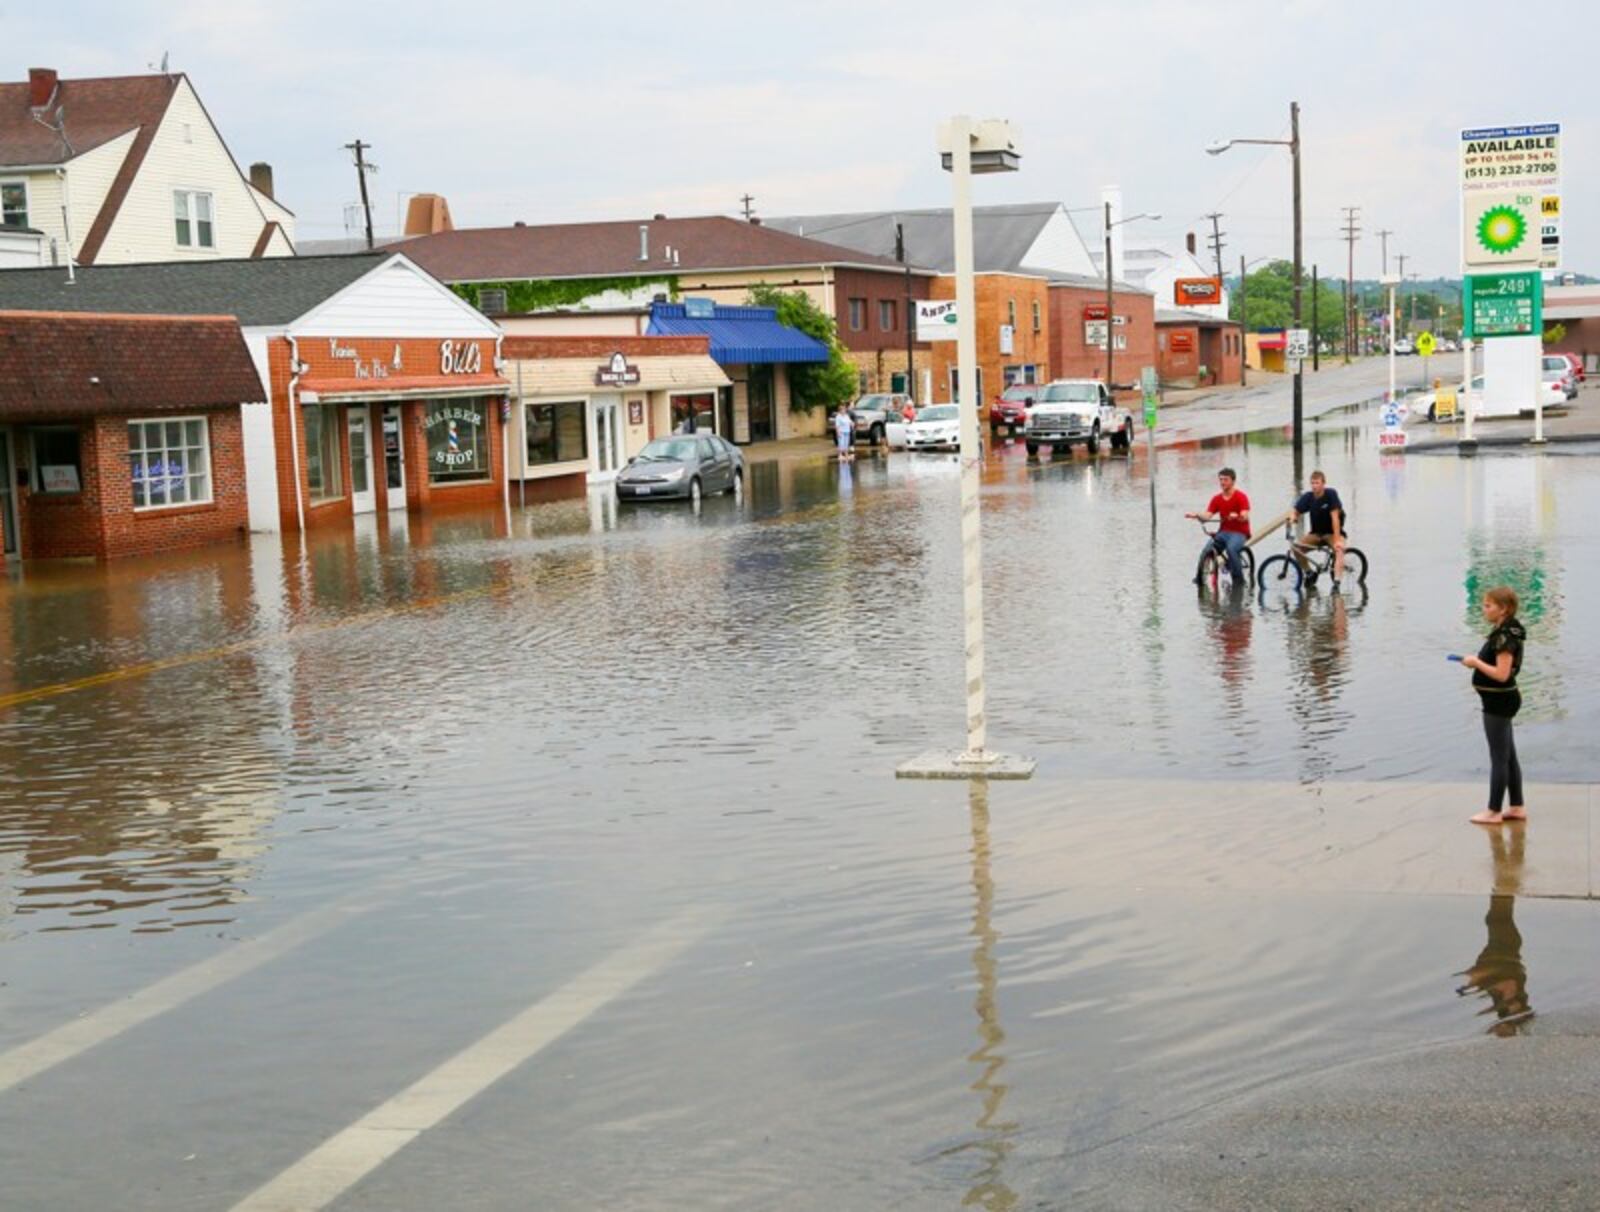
{"type": "Point", "coordinates": [1150, 388]}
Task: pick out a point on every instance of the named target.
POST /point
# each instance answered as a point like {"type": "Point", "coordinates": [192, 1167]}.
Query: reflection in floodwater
{"type": "Point", "coordinates": [988, 1189]}
{"type": "Point", "coordinates": [1499, 973]}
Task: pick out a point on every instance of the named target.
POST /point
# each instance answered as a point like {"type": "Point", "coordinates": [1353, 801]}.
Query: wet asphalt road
{"type": "Point", "coordinates": [559, 863]}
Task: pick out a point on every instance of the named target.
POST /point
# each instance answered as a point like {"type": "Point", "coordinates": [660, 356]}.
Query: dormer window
{"type": "Point", "coordinates": [192, 213]}
{"type": "Point", "coordinates": [13, 204]}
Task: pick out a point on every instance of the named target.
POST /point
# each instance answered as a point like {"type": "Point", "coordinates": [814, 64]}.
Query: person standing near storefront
{"type": "Point", "coordinates": [844, 433]}
{"type": "Point", "coordinates": [1494, 677]}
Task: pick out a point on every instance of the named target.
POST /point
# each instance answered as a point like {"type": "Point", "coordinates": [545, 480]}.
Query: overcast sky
{"type": "Point", "coordinates": [560, 112]}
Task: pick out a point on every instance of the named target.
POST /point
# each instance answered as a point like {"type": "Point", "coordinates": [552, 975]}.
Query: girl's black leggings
{"type": "Point", "coordinates": [1505, 772]}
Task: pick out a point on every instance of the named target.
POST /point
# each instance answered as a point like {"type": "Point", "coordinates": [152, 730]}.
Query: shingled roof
{"type": "Point", "coordinates": [592, 250]}
{"type": "Point", "coordinates": [260, 293]}
{"type": "Point", "coordinates": [57, 365]}
{"type": "Point", "coordinates": [93, 112]}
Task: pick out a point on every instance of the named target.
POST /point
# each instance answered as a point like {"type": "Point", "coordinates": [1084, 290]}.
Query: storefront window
{"type": "Point", "coordinates": [57, 461]}
{"type": "Point", "coordinates": [556, 433]}
{"type": "Point", "coordinates": [170, 462]}
{"type": "Point", "coordinates": [324, 469]}
{"type": "Point", "coordinates": [458, 441]}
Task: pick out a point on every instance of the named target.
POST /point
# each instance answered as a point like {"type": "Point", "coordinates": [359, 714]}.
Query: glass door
{"type": "Point", "coordinates": [394, 464]}
{"type": "Point", "coordinates": [362, 498]}
{"type": "Point", "coordinates": [607, 436]}
{"type": "Point", "coordinates": [8, 499]}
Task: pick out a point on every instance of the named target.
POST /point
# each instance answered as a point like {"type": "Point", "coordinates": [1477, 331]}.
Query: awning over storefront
{"type": "Point", "coordinates": [576, 376]}
{"type": "Point", "coordinates": [400, 387]}
{"type": "Point", "coordinates": [737, 334]}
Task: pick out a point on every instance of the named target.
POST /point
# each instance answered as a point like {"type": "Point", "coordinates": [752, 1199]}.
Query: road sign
{"type": "Point", "coordinates": [1147, 382]}
{"type": "Point", "coordinates": [1444, 404]}
{"type": "Point", "coordinates": [1507, 172]}
{"type": "Point", "coordinates": [1425, 345]}
{"type": "Point", "coordinates": [1504, 305]}
{"type": "Point", "coordinates": [1392, 440]}
{"type": "Point", "coordinates": [936, 319]}
{"type": "Point", "coordinates": [1297, 343]}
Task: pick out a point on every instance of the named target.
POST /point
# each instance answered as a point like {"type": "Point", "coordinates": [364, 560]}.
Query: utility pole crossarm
{"type": "Point", "coordinates": [363, 167]}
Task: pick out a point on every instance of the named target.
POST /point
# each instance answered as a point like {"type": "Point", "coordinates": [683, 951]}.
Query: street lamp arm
{"type": "Point", "coordinates": [1222, 145]}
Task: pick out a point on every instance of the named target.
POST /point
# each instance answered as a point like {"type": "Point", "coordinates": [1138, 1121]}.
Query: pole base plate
{"type": "Point", "coordinates": [959, 764]}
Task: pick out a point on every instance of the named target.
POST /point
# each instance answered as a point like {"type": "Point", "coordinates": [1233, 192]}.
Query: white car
{"type": "Point", "coordinates": [936, 427]}
{"type": "Point", "coordinates": [1554, 396]}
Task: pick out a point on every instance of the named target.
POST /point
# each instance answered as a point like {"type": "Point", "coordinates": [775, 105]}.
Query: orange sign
{"type": "Point", "coordinates": [1197, 292]}
{"type": "Point", "coordinates": [1183, 342]}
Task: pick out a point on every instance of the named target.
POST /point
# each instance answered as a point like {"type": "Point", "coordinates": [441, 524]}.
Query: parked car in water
{"type": "Point", "coordinates": [683, 467]}
{"type": "Point", "coordinates": [936, 427]}
{"type": "Point", "coordinates": [1558, 370]}
{"type": "Point", "coordinates": [1009, 412]}
{"type": "Point", "coordinates": [1077, 411]}
{"type": "Point", "coordinates": [872, 414]}
{"type": "Point", "coordinates": [1424, 405]}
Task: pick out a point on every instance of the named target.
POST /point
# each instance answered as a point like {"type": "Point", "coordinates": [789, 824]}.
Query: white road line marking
{"type": "Point", "coordinates": [341, 1161]}
{"type": "Point", "coordinates": [70, 1039]}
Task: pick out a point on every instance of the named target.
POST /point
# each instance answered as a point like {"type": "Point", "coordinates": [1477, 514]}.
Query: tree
{"type": "Point", "coordinates": [811, 384]}
{"type": "Point", "coordinates": [1555, 334]}
{"type": "Point", "coordinates": [1269, 297]}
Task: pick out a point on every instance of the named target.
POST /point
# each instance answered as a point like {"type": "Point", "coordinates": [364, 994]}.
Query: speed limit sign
{"type": "Point", "coordinates": [1297, 343]}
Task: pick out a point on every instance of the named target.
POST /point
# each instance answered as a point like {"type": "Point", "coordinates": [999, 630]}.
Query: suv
{"type": "Point", "coordinates": [1010, 408]}
{"type": "Point", "coordinates": [871, 413]}
{"type": "Point", "coordinates": [1077, 410]}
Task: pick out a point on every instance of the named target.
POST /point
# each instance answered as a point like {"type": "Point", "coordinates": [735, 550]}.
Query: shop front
{"type": "Point", "coordinates": [121, 435]}
{"type": "Point", "coordinates": [583, 406]}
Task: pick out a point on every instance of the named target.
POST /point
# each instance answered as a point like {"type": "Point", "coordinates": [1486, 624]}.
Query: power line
{"type": "Point", "coordinates": [1352, 232]}
{"type": "Point", "coordinates": [363, 167]}
{"type": "Point", "coordinates": [1216, 239]}
{"type": "Point", "coordinates": [1384, 237]}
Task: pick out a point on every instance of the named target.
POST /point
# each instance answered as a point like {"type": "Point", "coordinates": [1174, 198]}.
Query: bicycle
{"type": "Point", "coordinates": [1301, 566]}
{"type": "Point", "coordinates": [1213, 567]}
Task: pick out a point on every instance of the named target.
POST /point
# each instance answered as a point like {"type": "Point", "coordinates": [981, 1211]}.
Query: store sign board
{"type": "Point", "coordinates": [1182, 342]}
{"type": "Point", "coordinates": [936, 319]}
{"type": "Point", "coordinates": [460, 357]}
{"type": "Point", "coordinates": [1094, 335]}
{"type": "Point", "coordinates": [1148, 386]}
{"type": "Point", "coordinates": [699, 309]}
{"type": "Point", "coordinates": [1504, 305]}
{"type": "Point", "coordinates": [618, 372]}
{"type": "Point", "coordinates": [1507, 174]}
{"type": "Point", "coordinates": [1197, 292]}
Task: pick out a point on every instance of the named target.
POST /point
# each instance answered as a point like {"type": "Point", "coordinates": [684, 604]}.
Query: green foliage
{"type": "Point", "coordinates": [811, 384]}
{"type": "Point", "coordinates": [1269, 296]}
{"type": "Point", "coordinates": [543, 294]}
{"type": "Point", "coordinates": [1554, 333]}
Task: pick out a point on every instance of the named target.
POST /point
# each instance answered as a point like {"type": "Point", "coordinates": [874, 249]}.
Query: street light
{"type": "Point", "coordinates": [1293, 144]}
{"type": "Point", "coordinates": [1110, 306]}
{"type": "Point", "coordinates": [967, 147]}
{"type": "Point", "coordinates": [1244, 316]}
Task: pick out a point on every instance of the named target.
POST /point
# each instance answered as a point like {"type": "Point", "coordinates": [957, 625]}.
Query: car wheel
{"type": "Point", "coordinates": [737, 487]}
{"type": "Point", "coordinates": [1093, 444]}
{"type": "Point", "coordinates": [875, 435]}
{"type": "Point", "coordinates": [694, 491]}
{"type": "Point", "coordinates": [1033, 449]}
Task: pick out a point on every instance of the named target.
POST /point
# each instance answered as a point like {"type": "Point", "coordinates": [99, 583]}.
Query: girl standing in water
{"type": "Point", "coordinates": [1494, 677]}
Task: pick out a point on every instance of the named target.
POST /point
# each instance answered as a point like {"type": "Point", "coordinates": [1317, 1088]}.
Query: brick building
{"type": "Point", "coordinates": [380, 387]}
{"type": "Point", "coordinates": [1196, 349]}
{"type": "Point", "coordinates": [121, 435]}
{"type": "Point", "coordinates": [1013, 335]}
{"type": "Point", "coordinates": [1078, 330]}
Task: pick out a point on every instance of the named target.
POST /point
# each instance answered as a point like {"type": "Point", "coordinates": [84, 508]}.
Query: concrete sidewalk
{"type": "Point", "coordinates": [1578, 422]}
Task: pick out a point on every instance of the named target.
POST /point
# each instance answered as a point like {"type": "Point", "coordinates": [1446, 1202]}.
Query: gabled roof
{"type": "Point", "coordinates": [93, 112]}
{"type": "Point", "coordinates": [593, 250]}
{"type": "Point", "coordinates": [1001, 235]}
{"type": "Point", "coordinates": [1182, 315]}
{"type": "Point", "coordinates": [261, 293]}
{"type": "Point", "coordinates": [53, 364]}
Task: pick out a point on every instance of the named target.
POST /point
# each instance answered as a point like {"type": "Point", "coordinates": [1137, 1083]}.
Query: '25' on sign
{"type": "Point", "coordinates": [465, 358]}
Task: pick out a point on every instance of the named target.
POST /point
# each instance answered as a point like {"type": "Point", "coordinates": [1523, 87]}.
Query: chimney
{"type": "Point", "coordinates": [644, 241]}
{"type": "Point", "coordinates": [41, 86]}
{"type": "Point", "coordinates": [1188, 241]}
{"type": "Point", "coordinates": [661, 218]}
{"type": "Point", "coordinates": [755, 220]}
{"type": "Point", "coordinates": [261, 177]}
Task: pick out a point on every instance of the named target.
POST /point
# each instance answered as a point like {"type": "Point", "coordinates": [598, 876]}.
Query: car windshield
{"type": "Point", "coordinates": [1018, 395]}
{"type": "Point", "coordinates": [873, 402]}
{"type": "Point", "coordinates": [939, 412]}
{"type": "Point", "coordinates": [679, 450]}
{"type": "Point", "coordinates": [1061, 393]}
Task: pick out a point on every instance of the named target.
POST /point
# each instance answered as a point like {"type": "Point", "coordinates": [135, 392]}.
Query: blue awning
{"type": "Point", "coordinates": [738, 334]}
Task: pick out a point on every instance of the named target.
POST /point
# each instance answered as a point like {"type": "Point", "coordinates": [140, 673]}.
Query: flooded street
{"type": "Point", "coordinates": [289, 835]}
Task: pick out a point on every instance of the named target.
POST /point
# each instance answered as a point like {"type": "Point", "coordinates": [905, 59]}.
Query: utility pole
{"type": "Point", "coordinates": [1110, 308]}
{"type": "Point", "coordinates": [911, 310]}
{"type": "Point", "coordinates": [1394, 318]}
{"type": "Point", "coordinates": [749, 211]}
{"type": "Point", "coordinates": [1296, 299]}
{"type": "Point", "coordinates": [1216, 240]}
{"type": "Point", "coordinates": [363, 167]}
{"type": "Point", "coordinates": [1352, 216]}
{"type": "Point", "coordinates": [1316, 340]}
{"type": "Point", "coordinates": [1384, 237]}
{"type": "Point", "coordinates": [1244, 324]}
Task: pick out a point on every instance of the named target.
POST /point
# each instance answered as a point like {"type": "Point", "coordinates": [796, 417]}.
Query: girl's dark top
{"type": "Point", "coordinates": [1501, 698]}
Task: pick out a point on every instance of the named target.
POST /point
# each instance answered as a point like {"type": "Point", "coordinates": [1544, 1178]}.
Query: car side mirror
{"type": "Point", "coordinates": [1028, 401]}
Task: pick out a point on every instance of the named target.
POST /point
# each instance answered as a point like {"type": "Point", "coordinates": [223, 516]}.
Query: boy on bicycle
{"type": "Point", "coordinates": [1233, 507]}
{"type": "Point", "coordinates": [1326, 511]}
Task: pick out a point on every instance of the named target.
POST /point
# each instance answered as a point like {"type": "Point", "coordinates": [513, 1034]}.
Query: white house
{"type": "Point", "coordinates": [128, 169]}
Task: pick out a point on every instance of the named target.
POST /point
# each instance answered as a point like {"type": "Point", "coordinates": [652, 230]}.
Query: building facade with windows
{"type": "Point", "coordinates": [1197, 349]}
{"type": "Point", "coordinates": [128, 169]}
{"type": "Point", "coordinates": [1079, 330]}
{"type": "Point", "coordinates": [121, 435]}
{"type": "Point", "coordinates": [582, 406]}
{"type": "Point", "coordinates": [1013, 331]}
{"type": "Point", "coordinates": [380, 387]}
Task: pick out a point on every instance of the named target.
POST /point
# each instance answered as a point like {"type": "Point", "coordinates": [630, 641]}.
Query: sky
{"type": "Point", "coordinates": [565, 112]}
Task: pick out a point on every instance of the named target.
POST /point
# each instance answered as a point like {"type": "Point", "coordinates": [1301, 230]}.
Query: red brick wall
{"type": "Point", "coordinates": [1074, 359]}
{"type": "Point", "coordinates": [873, 285]}
{"type": "Point", "coordinates": [995, 293]}
{"type": "Point", "coordinates": [601, 348]}
{"type": "Point", "coordinates": [101, 522]}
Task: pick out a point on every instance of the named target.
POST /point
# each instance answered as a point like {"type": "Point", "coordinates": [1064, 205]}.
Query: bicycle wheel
{"type": "Point", "coordinates": [1247, 561]}
{"type": "Point", "coordinates": [1279, 572]}
{"type": "Point", "coordinates": [1355, 564]}
{"type": "Point", "coordinates": [1207, 571]}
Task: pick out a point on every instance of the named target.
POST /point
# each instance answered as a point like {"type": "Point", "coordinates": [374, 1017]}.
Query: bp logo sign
{"type": "Point", "coordinates": [1502, 230]}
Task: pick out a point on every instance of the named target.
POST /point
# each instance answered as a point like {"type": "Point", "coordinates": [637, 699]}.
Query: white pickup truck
{"type": "Point", "coordinates": [1077, 410]}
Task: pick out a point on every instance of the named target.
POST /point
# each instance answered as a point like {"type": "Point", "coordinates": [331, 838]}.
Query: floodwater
{"type": "Point", "coordinates": [285, 831]}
